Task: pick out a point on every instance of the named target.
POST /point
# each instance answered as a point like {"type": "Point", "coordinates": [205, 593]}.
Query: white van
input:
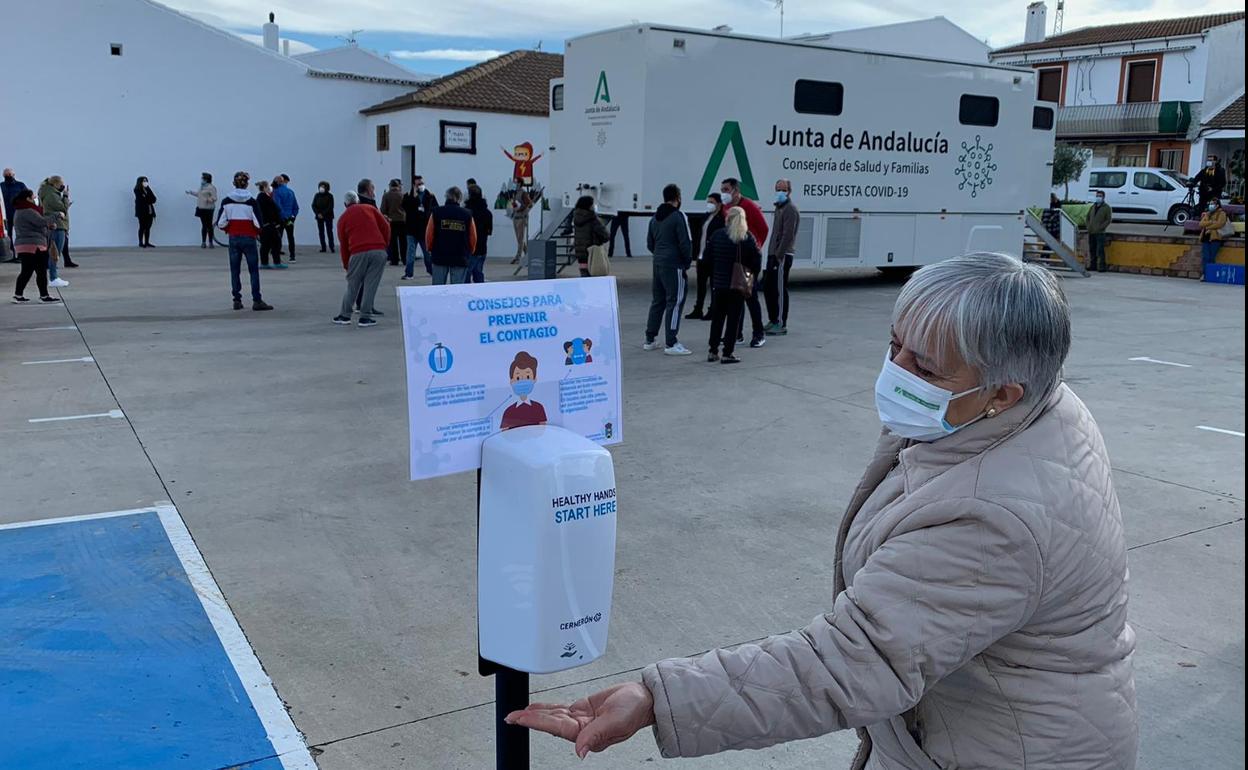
{"type": "Point", "coordinates": [896, 161]}
{"type": "Point", "coordinates": [1143, 193]}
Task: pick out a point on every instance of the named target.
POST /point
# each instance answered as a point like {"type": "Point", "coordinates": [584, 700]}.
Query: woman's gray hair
{"type": "Point", "coordinates": [350, 199]}
{"type": "Point", "coordinates": [1008, 320]}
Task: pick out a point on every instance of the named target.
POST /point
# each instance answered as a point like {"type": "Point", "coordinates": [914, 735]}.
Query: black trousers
{"type": "Point", "coordinates": [397, 252]}
{"type": "Point", "coordinates": [703, 268]}
{"type": "Point", "coordinates": [726, 307]}
{"type": "Point", "coordinates": [325, 229]}
{"type": "Point", "coordinates": [289, 227]}
{"type": "Point", "coordinates": [619, 222]}
{"type": "Point", "coordinates": [776, 289]}
{"type": "Point", "coordinates": [35, 264]}
{"type": "Point", "coordinates": [756, 315]}
{"type": "Point", "coordinates": [205, 226]}
{"type": "Point", "coordinates": [271, 244]}
{"type": "Point", "coordinates": [145, 230]}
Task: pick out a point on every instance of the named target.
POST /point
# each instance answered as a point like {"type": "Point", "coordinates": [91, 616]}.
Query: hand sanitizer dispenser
{"type": "Point", "coordinates": [545, 550]}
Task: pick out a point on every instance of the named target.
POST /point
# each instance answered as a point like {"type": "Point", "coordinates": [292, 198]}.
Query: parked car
{"type": "Point", "coordinates": [1144, 193]}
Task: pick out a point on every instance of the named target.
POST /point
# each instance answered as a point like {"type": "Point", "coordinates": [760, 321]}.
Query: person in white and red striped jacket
{"type": "Point", "coordinates": [239, 220]}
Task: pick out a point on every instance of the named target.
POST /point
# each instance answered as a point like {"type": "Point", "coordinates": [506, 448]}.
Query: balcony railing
{"type": "Point", "coordinates": [1132, 119]}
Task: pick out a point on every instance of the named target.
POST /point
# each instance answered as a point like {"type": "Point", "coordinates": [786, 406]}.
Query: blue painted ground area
{"type": "Point", "coordinates": [107, 659]}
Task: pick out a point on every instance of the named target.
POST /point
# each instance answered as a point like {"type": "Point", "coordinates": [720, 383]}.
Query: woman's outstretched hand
{"type": "Point", "coordinates": [603, 719]}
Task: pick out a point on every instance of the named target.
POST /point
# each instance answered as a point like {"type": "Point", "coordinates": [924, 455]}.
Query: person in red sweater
{"type": "Point", "coordinates": [363, 234]}
{"type": "Point", "coordinates": [730, 189]}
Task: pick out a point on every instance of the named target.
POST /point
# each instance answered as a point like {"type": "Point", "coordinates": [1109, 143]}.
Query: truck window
{"type": "Point", "coordinates": [1042, 118]}
{"type": "Point", "coordinates": [818, 97]}
{"type": "Point", "coordinates": [1149, 181]}
{"type": "Point", "coordinates": [556, 98]}
{"type": "Point", "coordinates": [1110, 179]}
{"type": "Point", "coordinates": [979, 110]}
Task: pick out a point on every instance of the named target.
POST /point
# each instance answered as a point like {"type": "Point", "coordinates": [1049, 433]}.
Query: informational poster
{"type": "Point", "coordinates": [487, 357]}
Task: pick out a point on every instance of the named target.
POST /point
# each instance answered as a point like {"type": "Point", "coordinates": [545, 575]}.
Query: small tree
{"type": "Point", "coordinates": [1068, 163]}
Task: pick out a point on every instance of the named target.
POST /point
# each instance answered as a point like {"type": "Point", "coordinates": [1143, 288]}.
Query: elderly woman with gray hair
{"type": "Point", "coordinates": [979, 611]}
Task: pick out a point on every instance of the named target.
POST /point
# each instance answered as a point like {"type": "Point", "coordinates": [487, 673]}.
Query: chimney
{"type": "Point", "coordinates": [285, 46]}
{"type": "Point", "coordinates": [1036, 13]}
{"type": "Point", "coordinates": [270, 34]}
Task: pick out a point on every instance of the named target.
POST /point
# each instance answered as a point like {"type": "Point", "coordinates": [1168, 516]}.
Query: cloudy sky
{"type": "Point", "coordinates": [443, 37]}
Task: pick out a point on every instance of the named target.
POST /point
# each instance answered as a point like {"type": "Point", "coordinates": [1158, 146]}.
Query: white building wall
{"type": "Point", "coordinates": [1225, 73]}
{"type": "Point", "coordinates": [419, 129]}
{"type": "Point", "coordinates": [936, 38]}
{"type": "Point", "coordinates": [181, 99]}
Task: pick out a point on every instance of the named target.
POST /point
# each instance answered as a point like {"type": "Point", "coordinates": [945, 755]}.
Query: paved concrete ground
{"type": "Point", "coordinates": [282, 441]}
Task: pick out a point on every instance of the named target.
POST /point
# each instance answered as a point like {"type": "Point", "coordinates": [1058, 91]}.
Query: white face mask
{"type": "Point", "coordinates": [912, 407]}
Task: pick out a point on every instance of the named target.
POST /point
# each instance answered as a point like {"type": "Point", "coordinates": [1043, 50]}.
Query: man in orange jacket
{"type": "Point", "coordinates": [363, 235]}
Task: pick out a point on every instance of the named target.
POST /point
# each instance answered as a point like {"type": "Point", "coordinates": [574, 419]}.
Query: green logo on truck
{"type": "Point", "coordinates": [729, 136]}
{"type": "Point", "coordinates": [602, 92]}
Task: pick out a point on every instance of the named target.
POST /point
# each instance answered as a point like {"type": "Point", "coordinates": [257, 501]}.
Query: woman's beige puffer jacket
{"type": "Point", "coordinates": [980, 618]}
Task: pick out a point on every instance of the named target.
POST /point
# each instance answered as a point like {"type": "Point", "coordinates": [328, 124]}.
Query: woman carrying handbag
{"type": "Point", "coordinates": [588, 233]}
{"type": "Point", "coordinates": [735, 264]}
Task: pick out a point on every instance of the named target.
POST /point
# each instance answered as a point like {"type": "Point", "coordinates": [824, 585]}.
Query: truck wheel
{"type": "Point", "coordinates": [897, 273]}
{"type": "Point", "coordinates": [1179, 214]}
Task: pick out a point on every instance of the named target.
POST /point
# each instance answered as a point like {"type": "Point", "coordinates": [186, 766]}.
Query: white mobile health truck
{"type": "Point", "coordinates": [896, 161]}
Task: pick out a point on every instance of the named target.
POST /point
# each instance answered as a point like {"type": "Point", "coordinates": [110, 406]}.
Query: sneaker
{"type": "Point", "coordinates": [740, 338]}
{"type": "Point", "coordinates": [366, 322]}
{"type": "Point", "coordinates": [261, 305]}
{"type": "Point", "coordinates": [712, 357]}
{"type": "Point", "coordinates": [677, 350]}
{"type": "Point", "coordinates": [730, 360]}
{"type": "Point", "coordinates": [342, 320]}
{"type": "Point", "coordinates": [292, 259]}
{"type": "Point", "coordinates": [772, 328]}
{"type": "Point", "coordinates": [280, 266]}
{"type": "Point", "coordinates": [652, 345]}
{"type": "Point", "coordinates": [59, 283]}
{"type": "Point", "coordinates": [49, 300]}
{"type": "Point", "coordinates": [696, 315]}
{"type": "Point", "coordinates": [375, 311]}
{"type": "Point", "coordinates": [238, 304]}
{"type": "Point", "coordinates": [265, 266]}
{"type": "Point", "coordinates": [323, 251]}
{"type": "Point", "coordinates": [18, 300]}
{"type": "Point", "coordinates": [203, 245]}
{"type": "Point", "coordinates": [758, 341]}
{"type": "Point", "coordinates": [70, 264]}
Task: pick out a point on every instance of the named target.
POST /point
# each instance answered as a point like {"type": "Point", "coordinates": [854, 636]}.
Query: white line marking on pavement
{"type": "Point", "coordinates": [47, 328]}
{"type": "Point", "coordinates": [83, 360]}
{"type": "Point", "coordinates": [116, 414]}
{"type": "Point", "coordinates": [1146, 359]}
{"type": "Point", "coordinates": [1220, 430]}
{"type": "Point", "coordinates": [287, 743]}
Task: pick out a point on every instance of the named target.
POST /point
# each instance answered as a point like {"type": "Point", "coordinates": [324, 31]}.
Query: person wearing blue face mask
{"type": "Point", "coordinates": [780, 251]}
{"type": "Point", "coordinates": [978, 612]}
{"type": "Point", "coordinates": [526, 411]}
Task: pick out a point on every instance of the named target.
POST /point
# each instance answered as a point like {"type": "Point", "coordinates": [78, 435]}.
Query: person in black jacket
{"type": "Point", "coordinates": [709, 224]}
{"type": "Point", "coordinates": [483, 220]}
{"type": "Point", "coordinates": [587, 231]}
{"type": "Point", "coordinates": [727, 246]}
{"type": "Point", "coordinates": [270, 216]}
{"type": "Point", "coordinates": [1210, 182]}
{"type": "Point", "coordinates": [323, 210]}
{"type": "Point", "coordinates": [144, 210]}
{"type": "Point", "coordinates": [418, 203]}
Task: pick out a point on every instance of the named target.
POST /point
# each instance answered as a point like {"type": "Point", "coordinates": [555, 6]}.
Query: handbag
{"type": "Point", "coordinates": [599, 263]}
{"type": "Point", "coordinates": [742, 279]}
{"type": "Point", "coordinates": [1227, 230]}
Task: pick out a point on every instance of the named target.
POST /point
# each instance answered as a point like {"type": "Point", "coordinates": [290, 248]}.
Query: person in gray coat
{"type": "Point", "coordinates": [978, 613]}
{"type": "Point", "coordinates": [670, 243]}
{"type": "Point", "coordinates": [780, 250]}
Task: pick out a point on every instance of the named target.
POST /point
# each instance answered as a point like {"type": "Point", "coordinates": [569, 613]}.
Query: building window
{"type": "Point", "coordinates": [1049, 85]}
{"type": "Point", "coordinates": [1042, 118]}
{"type": "Point", "coordinates": [1110, 179]}
{"type": "Point", "coordinates": [979, 110]}
{"type": "Point", "coordinates": [1141, 78]}
{"type": "Point", "coordinates": [114, 49]}
{"type": "Point", "coordinates": [1171, 159]}
{"type": "Point", "coordinates": [1131, 155]}
{"type": "Point", "coordinates": [818, 97]}
{"type": "Point", "coordinates": [383, 137]}
{"type": "Point", "coordinates": [556, 98]}
{"type": "Point", "coordinates": [457, 137]}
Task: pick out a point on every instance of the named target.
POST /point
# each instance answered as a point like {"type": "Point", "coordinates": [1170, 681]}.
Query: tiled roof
{"type": "Point", "coordinates": [516, 83]}
{"type": "Point", "coordinates": [1122, 33]}
{"type": "Point", "coordinates": [1231, 117]}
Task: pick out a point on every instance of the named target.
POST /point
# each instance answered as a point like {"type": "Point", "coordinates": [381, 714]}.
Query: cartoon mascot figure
{"type": "Point", "coordinates": [524, 159]}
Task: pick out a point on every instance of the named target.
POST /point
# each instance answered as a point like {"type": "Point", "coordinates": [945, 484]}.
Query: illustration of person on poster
{"type": "Point", "coordinates": [523, 376]}
{"type": "Point", "coordinates": [523, 158]}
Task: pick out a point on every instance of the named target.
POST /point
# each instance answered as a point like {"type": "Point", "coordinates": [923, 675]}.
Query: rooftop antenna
{"type": "Point", "coordinates": [780, 6]}
{"type": "Point", "coordinates": [1057, 17]}
{"type": "Point", "coordinates": [538, 47]}
{"type": "Point", "coordinates": [349, 38]}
